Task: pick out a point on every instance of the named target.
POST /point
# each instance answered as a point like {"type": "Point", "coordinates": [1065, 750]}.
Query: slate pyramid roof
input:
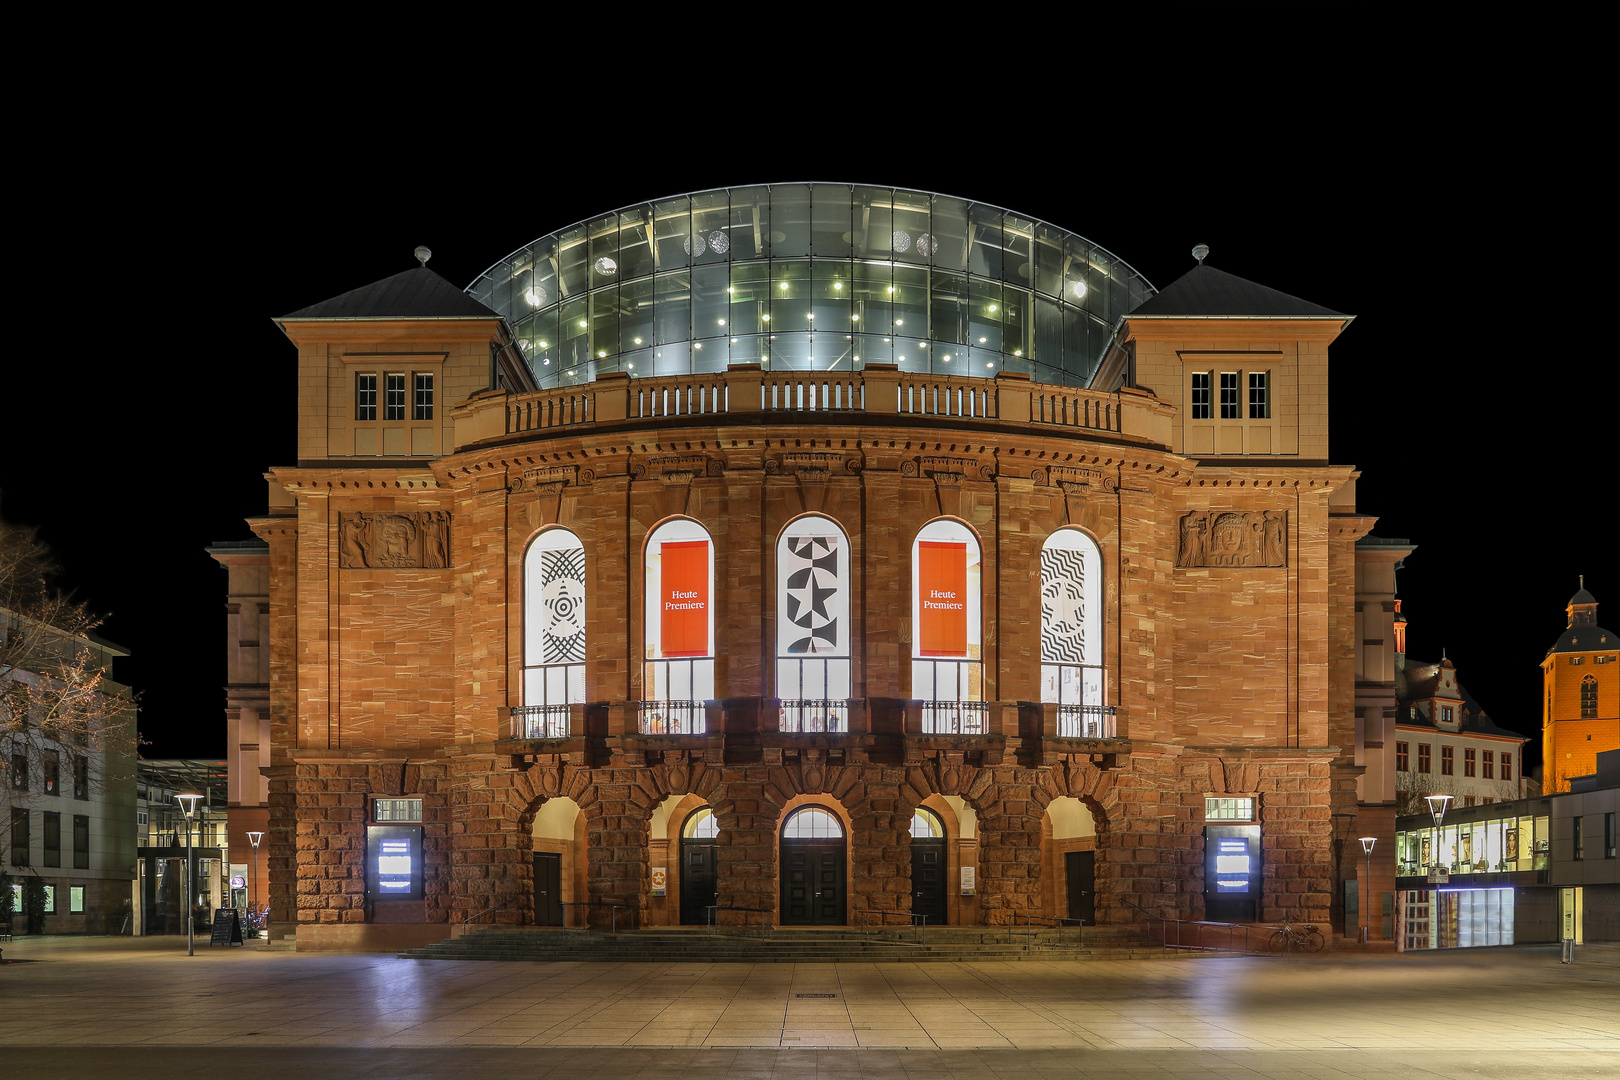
{"type": "Point", "coordinates": [1208, 293]}
{"type": "Point", "coordinates": [414, 294]}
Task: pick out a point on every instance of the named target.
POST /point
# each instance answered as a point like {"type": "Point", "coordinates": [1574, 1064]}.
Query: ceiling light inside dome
{"type": "Point", "coordinates": [926, 244]}
{"type": "Point", "coordinates": [606, 266]}
{"type": "Point", "coordinates": [534, 296]}
{"type": "Point", "coordinates": [902, 239]}
{"type": "Point", "coordinates": [694, 241]}
{"type": "Point", "coordinates": [1079, 290]}
{"type": "Point", "coordinates": [719, 242]}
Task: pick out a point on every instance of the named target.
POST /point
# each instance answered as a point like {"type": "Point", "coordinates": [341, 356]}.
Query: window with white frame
{"type": "Point", "coordinates": [812, 625]}
{"type": "Point", "coordinates": [1230, 409]}
{"type": "Point", "coordinates": [422, 396]}
{"type": "Point", "coordinates": [553, 632]}
{"type": "Point", "coordinates": [394, 396]}
{"type": "Point", "coordinates": [1071, 632]}
{"type": "Point", "coordinates": [678, 640]}
{"type": "Point", "coordinates": [365, 396]}
{"type": "Point", "coordinates": [1201, 407]}
{"type": "Point", "coordinates": [947, 651]}
{"type": "Point", "coordinates": [1259, 395]}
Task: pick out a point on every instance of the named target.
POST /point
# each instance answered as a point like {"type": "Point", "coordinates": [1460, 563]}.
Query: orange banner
{"type": "Point", "coordinates": [684, 599]}
{"type": "Point", "coordinates": [942, 585]}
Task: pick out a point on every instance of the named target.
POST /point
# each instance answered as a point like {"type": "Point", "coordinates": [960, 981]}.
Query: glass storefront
{"type": "Point", "coordinates": [811, 277]}
{"type": "Point", "coordinates": [1455, 918]}
{"type": "Point", "coordinates": [1493, 845]}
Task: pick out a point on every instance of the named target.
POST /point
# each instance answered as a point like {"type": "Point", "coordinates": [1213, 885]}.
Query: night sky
{"type": "Point", "coordinates": [152, 390]}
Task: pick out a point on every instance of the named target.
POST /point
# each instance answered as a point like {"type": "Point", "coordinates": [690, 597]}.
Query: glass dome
{"type": "Point", "coordinates": [811, 277]}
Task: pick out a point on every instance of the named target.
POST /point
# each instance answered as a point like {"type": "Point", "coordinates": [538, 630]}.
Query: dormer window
{"type": "Point", "coordinates": [1446, 714]}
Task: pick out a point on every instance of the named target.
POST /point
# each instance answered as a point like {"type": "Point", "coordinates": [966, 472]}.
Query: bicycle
{"type": "Point", "coordinates": [1297, 939]}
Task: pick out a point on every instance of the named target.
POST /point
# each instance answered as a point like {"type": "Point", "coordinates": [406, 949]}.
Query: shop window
{"type": "Point", "coordinates": [53, 838]}
{"type": "Point", "coordinates": [812, 625]}
{"type": "Point", "coordinates": [1071, 634]}
{"type": "Point", "coordinates": [947, 655]}
{"type": "Point", "coordinates": [81, 841]}
{"type": "Point", "coordinates": [365, 397]}
{"type": "Point", "coordinates": [678, 651]}
{"type": "Point", "coordinates": [1259, 395]}
{"type": "Point", "coordinates": [553, 633]}
{"type": "Point", "coordinates": [1468, 761]}
{"type": "Point", "coordinates": [1229, 395]}
{"type": "Point", "coordinates": [1423, 757]}
{"type": "Point", "coordinates": [1589, 698]}
{"type": "Point", "coordinates": [1446, 767]}
{"type": "Point", "coordinates": [1402, 759]}
{"type": "Point", "coordinates": [1201, 409]}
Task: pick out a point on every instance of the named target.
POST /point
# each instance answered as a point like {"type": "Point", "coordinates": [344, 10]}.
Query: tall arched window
{"type": "Point", "coordinates": [678, 672]}
{"type": "Point", "coordinates": [553, 633]}
{"type": "Point", "coordinates": [1071, 633]}
{"type": "Point", "coordinates": [812, 625]}
{"type": "Point", "coordinates": [947, 651]}
{"type": "Point", "coordinates": [1589, 697]}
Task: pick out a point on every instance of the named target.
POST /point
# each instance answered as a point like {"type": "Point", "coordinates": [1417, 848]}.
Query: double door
{"type": "Point", "coordinates": [813, 883]}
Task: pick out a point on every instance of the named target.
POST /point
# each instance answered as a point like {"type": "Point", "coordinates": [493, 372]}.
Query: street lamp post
{"type": "Point", "coordinates": [1437, 810]}
{"type": "Point", "coordinates": [1367, 843]}
{"type": "Point", "coordinates": [253, 903]}
{"type": "Point", "coordinates": [188, 804]}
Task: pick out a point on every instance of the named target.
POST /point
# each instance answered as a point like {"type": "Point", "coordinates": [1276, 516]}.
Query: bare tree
{"type": "Point", "coordinates": [58, 709]}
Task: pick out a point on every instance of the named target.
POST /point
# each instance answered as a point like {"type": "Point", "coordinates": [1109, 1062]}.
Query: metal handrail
{"type": "Point", "coordinates": [920, 927]}
{"type": "Point", "coordinates": [614, 923]}
{"type": "Point", "coordinates": [468, 921]}
{"type": "Point", "coordinates": [1060, 921]}
{"type": "Point", "coordinates": [712, 913]}
{"type": "Point", "coordinates": [1231, 928]}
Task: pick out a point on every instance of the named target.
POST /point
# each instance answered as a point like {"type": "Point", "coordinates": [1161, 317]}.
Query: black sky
{"type": "Point", "coordinates": [148, 389]}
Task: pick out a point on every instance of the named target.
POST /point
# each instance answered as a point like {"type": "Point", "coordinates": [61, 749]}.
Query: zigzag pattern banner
{"type": "Point", "coordinates": [1063, 607]}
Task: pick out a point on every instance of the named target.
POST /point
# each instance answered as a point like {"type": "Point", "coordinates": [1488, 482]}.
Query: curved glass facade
{"type": "Point", "coordinates": [823, 277]}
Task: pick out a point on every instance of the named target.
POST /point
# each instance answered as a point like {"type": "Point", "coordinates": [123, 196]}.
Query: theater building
{"type": "Point", "coordinates": [803, 554]}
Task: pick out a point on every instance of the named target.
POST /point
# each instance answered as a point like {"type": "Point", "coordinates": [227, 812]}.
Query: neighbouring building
{"type": "Point", "coordinates": [806, 554]}
{"type": "Point", "coordinates": [1582, 686]}
{"type": "Point", "coordinates": [69, 800]}
{"type": "Point", "coordinates": [160, 897]}
{"type": "Point", "coordinates": [1532, 870]}
{"type": "Point", "coordinates": [247, 712]}
{"type": "Point", "coordinates": [1446, 744]}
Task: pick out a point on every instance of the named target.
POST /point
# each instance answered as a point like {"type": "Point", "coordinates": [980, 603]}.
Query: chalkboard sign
{"type": "Point", "coordinates": [227, 927]}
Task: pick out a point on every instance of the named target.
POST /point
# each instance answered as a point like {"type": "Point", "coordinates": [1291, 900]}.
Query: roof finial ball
{"type": "Point", "coordinates": [423, 254]}
{"type": "Point", "coordinates": [1200, 252]}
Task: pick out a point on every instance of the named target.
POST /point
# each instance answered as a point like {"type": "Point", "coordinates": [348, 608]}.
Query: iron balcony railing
{"type": "Point", "coordinates": [803, 715]}
{"type": "Point", "coordinates": [541, 721]}
{"type": "Point", "coordinates": [1086, 721]}
{"type": "Point", "coordinates": [671, 718]}
{"type": "Point", "coordinates": [955, 717]}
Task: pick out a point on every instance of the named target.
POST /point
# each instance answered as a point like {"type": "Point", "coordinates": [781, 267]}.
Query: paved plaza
{"type": "Point", "coordinates": [138, 1008]}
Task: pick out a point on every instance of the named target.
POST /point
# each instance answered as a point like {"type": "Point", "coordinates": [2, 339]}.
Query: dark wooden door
{"type": "Point", "coordinates": [928, 880]}
{"type": "Point", "coordinates": [1081, 867]}
{"type": "Point", "coordinates": [699, 883]}
{"type": "Point", "coordinates": [548, 909]}
{"type": "Point", "coordinates": [813, 883]}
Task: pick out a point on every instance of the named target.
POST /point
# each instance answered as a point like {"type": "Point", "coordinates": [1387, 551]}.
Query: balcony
{"type": "Point", "coordinates": [956, 718]}
{"type": "Point", "coordinates": [542, 721]}
{"type": "Point", "coordinates": [805, 716]}
{"type": "Point", "coordinates": [671, 718]}
{"type": "Point", "coordinates": [878, 390]}
{"type": "Point", "coordinates": [1087, 721]}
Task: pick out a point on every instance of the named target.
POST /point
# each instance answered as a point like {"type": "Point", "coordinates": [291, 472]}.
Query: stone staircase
{"type": "Point", "coordinates": [792, 945]}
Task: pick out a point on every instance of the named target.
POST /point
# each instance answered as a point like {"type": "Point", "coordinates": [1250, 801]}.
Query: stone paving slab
{"type": "Point", "coordinates": [143, 1008]}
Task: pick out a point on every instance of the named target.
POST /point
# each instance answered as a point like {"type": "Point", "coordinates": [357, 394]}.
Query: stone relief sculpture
{"type": "Point", "coordinates": [394, 541]}
{"type": "Point", "coordinates": [1234, 538]}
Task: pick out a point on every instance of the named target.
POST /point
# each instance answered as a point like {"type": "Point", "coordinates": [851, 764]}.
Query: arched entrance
{"type": "Point", "coordinates": [1069, 860]}
{"type": "Point", "coordinates": [700, 883]}
{"type": "Point", "coordinates": [928, 867]}
{"type": "Point", "coordinates": [559, 863]}
{"type": "Point", "coordinates": [813, 886]}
